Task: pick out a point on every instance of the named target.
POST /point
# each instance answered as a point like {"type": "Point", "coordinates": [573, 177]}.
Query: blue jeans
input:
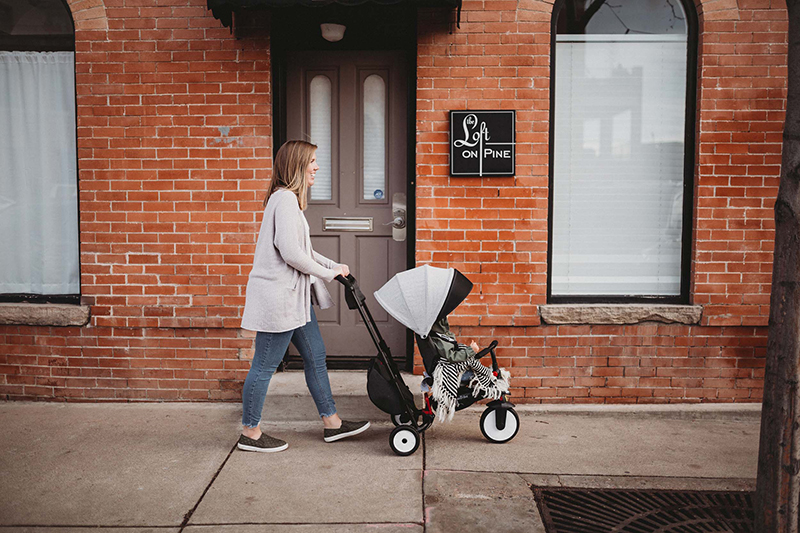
{"type": "Point", "coordinates": [270, 349]}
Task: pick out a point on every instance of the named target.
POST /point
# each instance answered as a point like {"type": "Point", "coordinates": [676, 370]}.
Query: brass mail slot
{"type": "Point", "coordinates": [347, 224]}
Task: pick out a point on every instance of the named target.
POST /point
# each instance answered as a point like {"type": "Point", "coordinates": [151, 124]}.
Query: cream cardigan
{"type": "Point", "coordinates": [286, 270]}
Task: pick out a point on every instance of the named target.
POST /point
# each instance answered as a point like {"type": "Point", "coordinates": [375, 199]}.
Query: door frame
{"type": "Point", "coordinates": [278, 54]}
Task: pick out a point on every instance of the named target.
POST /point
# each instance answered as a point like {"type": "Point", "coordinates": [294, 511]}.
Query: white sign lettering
{"type": "Point", "coordinates": [478, 135]}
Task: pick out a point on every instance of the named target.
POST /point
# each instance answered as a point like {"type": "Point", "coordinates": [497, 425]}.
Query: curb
{"type": "Point", "coordinates": [680, 411]}
{"type": "Point", "coordinates": [288, 399]}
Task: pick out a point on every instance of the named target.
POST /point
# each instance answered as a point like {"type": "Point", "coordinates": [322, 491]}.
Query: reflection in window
{"type": "Point", "coordinates": [621, 17]}
{"type": "Point", "coordinates": [374, 138]}
{"type": "Point", "coordinates": [320, 126]}
{"type": "Point", "coordinates": [618, 164]}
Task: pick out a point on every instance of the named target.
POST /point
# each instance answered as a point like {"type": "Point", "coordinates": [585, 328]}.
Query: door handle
{"type": "Point", "coordinates": [399, 221]}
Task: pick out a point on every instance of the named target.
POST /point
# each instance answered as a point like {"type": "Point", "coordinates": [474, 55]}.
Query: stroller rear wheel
{"type": "Point", "coordinates": [404, 440]}
{"type": "Point", "coordinates": [490, 426]}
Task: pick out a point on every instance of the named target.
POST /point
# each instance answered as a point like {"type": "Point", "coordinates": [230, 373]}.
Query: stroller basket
{"type": "Point", "coordinates": [383, 392]}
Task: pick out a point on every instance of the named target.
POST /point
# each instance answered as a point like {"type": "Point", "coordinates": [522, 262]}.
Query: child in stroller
{"type": "Point", "coordinates": [456, 367]}
{"type": "Point", "coordinates": [419, 298]}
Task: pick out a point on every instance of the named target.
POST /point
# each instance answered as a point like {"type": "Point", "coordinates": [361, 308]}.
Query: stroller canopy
{"type": "Point", "coordinates": [419, 297]}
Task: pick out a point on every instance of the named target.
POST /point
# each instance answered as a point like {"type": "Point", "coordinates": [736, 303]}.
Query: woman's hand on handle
{"type": "Point", "coordinates": [341, 270]}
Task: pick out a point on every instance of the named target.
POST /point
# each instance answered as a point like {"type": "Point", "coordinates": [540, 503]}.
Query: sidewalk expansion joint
{"type": "Point", "coordinates": [188, 515]}
{"type": "Point", "coordinates": [563, 475]}
{"type": "Point", "coordinates": [216, 524]}
{"type": "Point", "coordinates": [81, 526]}
{"type": "Point", "coordinates": [424, 471]}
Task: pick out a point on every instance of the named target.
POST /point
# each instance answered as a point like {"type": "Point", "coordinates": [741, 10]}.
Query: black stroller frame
{"type": "Point", "coordinates": [397, 399]}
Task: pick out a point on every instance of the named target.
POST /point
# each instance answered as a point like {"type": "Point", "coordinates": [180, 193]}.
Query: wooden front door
{"type": "Point", "coordinates": [352, 105]}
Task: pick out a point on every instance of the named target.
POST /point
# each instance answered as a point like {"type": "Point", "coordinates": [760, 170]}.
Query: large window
{"type": "Point", "coordinates": [39, 258]}
{"type": "Point", "coordinates": [622, 119]}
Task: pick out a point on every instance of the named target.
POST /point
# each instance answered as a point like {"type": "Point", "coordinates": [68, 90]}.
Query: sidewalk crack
{"type": "Point", "coordinates": [188, 515]}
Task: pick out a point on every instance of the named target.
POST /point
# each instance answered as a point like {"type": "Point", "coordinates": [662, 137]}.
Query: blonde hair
{"type": "Point", "coordinates": [289, 172]}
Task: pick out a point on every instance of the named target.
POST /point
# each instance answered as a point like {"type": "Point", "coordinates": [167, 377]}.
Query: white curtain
{"type": "Point", "coordinates": [620, 107]}
{"type": "Point", "coordinates": [38, 174]}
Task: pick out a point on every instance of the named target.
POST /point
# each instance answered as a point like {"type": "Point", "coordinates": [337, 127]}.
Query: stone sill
{"type": "Point", "coordinates": [28, 314]}
{"type": "Point", "coordinates": [620, 313]}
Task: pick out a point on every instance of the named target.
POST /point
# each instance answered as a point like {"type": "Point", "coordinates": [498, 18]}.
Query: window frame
{"type": "Point", "coordinates": [57, 44]}
{"type": "Point", "coordinates": [689, 165]}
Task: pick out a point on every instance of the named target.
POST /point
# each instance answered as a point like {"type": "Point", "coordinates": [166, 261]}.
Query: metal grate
{"type": "Point", "coordinates": [640, 511]}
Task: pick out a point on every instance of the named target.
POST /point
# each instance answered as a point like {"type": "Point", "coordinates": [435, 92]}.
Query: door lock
{"type": "Point", "coordinates": [398, 223]}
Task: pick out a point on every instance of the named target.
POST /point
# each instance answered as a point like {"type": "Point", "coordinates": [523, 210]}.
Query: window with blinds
{"type": "Point", "coordinates": [619, 150]}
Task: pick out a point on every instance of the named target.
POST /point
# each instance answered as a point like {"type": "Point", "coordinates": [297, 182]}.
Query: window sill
{"type": "Point", "coordinates": [27, 314]}
{"type": "Point", "coordinates": [620, 313]}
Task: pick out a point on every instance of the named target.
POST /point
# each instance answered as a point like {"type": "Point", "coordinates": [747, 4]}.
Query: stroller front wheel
{"type": "Point", "coordinates": [404, 440]}
{"type": "Point", "coordinates": [490, 429]}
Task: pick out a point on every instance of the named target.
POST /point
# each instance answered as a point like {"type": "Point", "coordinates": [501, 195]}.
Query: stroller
{"type": "Point", "coordinates": [418, 298]}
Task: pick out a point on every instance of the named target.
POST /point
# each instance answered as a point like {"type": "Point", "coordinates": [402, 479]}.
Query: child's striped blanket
{"type": "Point", "coordinates": [447, 379]}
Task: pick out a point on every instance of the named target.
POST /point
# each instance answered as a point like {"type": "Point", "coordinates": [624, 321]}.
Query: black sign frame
{"type": "Point", "coordinates": [471, 132]}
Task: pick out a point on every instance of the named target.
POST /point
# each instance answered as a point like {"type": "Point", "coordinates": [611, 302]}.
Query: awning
{"type": "Point", "coordinates": [224, 9]}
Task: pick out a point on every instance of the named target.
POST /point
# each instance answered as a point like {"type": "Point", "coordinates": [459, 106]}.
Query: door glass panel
{"type": "Point", "coordinates": [374, 138]}
{"type": "Point", "coordinates": [320, 125]}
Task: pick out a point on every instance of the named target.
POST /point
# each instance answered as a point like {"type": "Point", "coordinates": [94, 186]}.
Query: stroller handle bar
{"type": "Point", "coordinates": [489, 349]}
{"type": "Point", "coordinates": [352, 294]}
{"type": "Point", "coordinates": [486, 350]}
{"type": "Point", "coordinates": [346, 281]}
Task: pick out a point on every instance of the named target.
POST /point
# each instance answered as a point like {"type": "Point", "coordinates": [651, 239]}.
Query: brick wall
{"type": "Point", "coordinates": [174, 147]}
{"type": "Point", "coordinates": [647, 363]}
{"type": "Point", "coordinates": [741, 108]}
{"type": "Point", "coordinates": [495, 229]}
{"type": "Point", "coordinates": [174, 140]}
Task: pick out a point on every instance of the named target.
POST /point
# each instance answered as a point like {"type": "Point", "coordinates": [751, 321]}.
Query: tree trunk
{"type": "Point", "coordinates": [778, 485]}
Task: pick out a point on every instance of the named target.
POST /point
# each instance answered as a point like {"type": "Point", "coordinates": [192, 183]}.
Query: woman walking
{"type": "Point", "coordinates": [283, 284]}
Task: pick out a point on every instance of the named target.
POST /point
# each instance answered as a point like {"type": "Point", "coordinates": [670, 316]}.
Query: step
{"type": "Point", "coordinates": [288, 398]}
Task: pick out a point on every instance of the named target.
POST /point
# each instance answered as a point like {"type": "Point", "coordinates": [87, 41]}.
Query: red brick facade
{"type": "Point", "coordinates": [175, 143]}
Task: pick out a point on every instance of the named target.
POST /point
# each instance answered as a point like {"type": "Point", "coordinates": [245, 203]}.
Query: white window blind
{"type": "Point", "coordinates": [374, 138]}
{"type": "Point", "coordinates": [38, 174]}
{"type": "Point", "coordinates": [320, 118]}
{"type": "Point", "coordinates": [620, 107]}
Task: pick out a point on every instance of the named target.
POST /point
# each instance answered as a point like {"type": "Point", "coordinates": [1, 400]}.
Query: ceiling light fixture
{"type": "Point", "coordinates": [332, 32]}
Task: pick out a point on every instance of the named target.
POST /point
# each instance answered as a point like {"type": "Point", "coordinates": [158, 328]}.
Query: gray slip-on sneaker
{"type": "Point", "coordinates": [264, 443]}
{"type": "Point", "coordinates": [347, 429]}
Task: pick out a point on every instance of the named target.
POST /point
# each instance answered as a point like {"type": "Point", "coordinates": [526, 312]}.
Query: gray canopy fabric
{"type": "Point", "coordinates": [416, 297]}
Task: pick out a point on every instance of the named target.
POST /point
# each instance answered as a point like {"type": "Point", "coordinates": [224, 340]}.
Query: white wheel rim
{"type": "Point", "coordinates": [490, 426]}
{"type": "Point", "coordinates": [404, 441]}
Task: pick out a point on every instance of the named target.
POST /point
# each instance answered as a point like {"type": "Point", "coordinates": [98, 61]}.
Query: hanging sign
{"type": "Point", "coordinates": [482, 143]}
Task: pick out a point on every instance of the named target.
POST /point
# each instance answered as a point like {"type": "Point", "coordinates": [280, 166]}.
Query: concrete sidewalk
{"type": "Point", "coordinates": [170, 467]}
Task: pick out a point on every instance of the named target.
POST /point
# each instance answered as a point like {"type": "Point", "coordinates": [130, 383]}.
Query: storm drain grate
{"type": "Point", "coordinates": [639, 511]}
